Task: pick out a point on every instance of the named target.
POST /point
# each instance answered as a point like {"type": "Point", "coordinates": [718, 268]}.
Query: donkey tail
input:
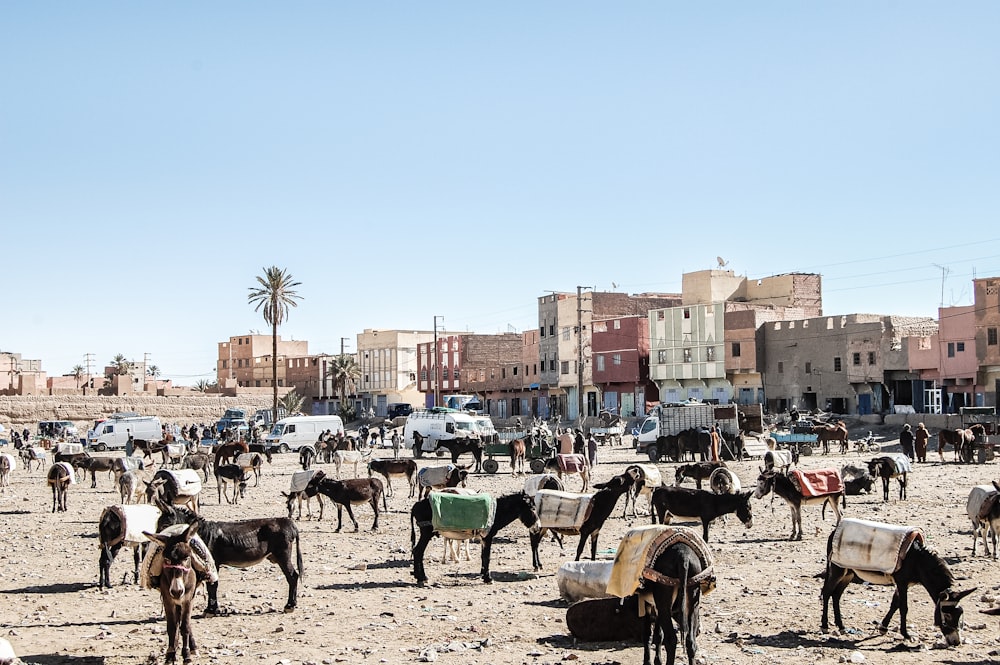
{"type": "Point", "coordinates": [298, 556]}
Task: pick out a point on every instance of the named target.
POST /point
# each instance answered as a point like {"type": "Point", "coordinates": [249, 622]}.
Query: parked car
{"type": "Point", "coordinates": [397, 409]}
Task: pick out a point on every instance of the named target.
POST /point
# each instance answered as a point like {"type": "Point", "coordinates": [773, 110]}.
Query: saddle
{"type": "Point", "coordinates": [872, 546]}
{"type": "Point", "coordinates": [705, 579]}
{"type": "Point", "coordinates": [571, 463]}
{"type": "Point", "coordinates": [817, 483]}
{"type": "Point", "coordinates": [462, 512]}
{"type": "Point", "coordinates": [563, 511]}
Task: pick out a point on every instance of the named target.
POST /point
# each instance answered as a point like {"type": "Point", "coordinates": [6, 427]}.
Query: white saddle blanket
{"type": "Point", "coordinates": [872, 546]}
{"type": "Point", "coordinates": [176, 450]}
{"type": "Point", "coordinates": [562, 510]}
{"type": "Point", "coordinates": [137, 517]}
{"type": "Point", "coordinates": [583, 579]}
{"type": "Point", "coordinates": [433, 476]}
{"type": "Point", "coordinates": [68, 448]}
{"type": "Point", "coordinates": [901, 461]}
{"type": "Point", "coordinates": [631, 559]}
{"type": "Point", "coordinates": [245, 460]}
{"type": "Point", "coordinates": [653, 477]}
{"type": "Point", "coordinates": [39, 453]}
{"type": "Point", "coordinates": [777, 458]}
{"type": "Point", "coordinates": [11, 461]}
{"type": "Point", "coordinates": [300, 479]}
{"type": "Point", "coordinates": [977, 496]}
{"type": "Point", "coordinates": [532, 483]}
{"type": "Point", "coordinates": [724, 477]}
{"type": "Point", "coordinates": [70, 470]}
{"type": "Point", "coordinates": [187, 480]}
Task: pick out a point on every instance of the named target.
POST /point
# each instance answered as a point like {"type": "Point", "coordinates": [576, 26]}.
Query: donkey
{"type": "Point", "coordinates": [684, 502]}
{"type": "Point", "coordinates": [231, 474]}
{"type": "Point", "coordinates": [197, 462]}
{"type": "Point", "coordinates": [508, 508]}
{"type": "Point", "coordinates": [59, 478]}
{"type": "Point", "coordinates": [460, 446]}
{"type": "Point", "coordinates": [7, 464]}
{"type": "Point", "coordinates": [345, 493]}
{"type": "Point", "coordinates": [178, 583]}
{"type": "Point", "coordinates": [700, 471]}
{"type": "Point", "coordinates": [567, 465]}
{"type": "Point", "coordinates": [888, 467]}
{"type": "Point", "coordinates": [796, 497]}
{"type": "Point", "coordinates": [912, 564]}
{"type": "Point", "coordinates": [243, 544]}
{"type": "Point", "coordinates": [602, 504]}
{"type": "Point", "coordinates": [390, 468]}
{"type": "Point", "coordinates": [306, 457]}
{"type": "Point", "coordinates": [123, 525]}
{"type": "Point", "coordinates": [518, 453]}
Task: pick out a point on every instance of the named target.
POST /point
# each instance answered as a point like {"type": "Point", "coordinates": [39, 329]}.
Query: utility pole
{"type": "Point", "coordinates": [145, 366]}
{"type": "Point", "coordinates": [342, 340]}
{"type": "Point", "coordinates": [88, 360]}
{"type": "Point", "coordinates": [579, 352]}
{"type": "Point", "coordinates": [435, 364]}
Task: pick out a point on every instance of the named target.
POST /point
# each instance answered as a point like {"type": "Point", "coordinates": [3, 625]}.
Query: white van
{"type": "Point", "coordinates": [294, 432]}
{"type": "Point", "coordinates": [438, 424]}
{"type": "Point", "coordinates": [113, 433]}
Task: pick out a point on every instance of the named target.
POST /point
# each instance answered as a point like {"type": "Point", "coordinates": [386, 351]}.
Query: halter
{"type": "Point", "coordinates": [170, 566]}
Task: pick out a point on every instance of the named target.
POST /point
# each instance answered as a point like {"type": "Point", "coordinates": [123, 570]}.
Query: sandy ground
{"type": "Point", "coordinates": [358, 602]}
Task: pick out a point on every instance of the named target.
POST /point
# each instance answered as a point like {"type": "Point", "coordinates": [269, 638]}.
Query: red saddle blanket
{"type": "Point", "coordinates": [571, 463]}
{"type": "Point", "coordinates": [818, 482]}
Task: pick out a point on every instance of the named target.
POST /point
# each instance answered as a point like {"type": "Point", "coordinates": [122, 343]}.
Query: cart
{"type": "Point", "coordinates": [803, 443]}
{"type": "Point", "coordinates": [984, 447]}
{"type": "Point", "coordinates": [612, 435]}
{"type": "Point", "coordinates": [536, 453]}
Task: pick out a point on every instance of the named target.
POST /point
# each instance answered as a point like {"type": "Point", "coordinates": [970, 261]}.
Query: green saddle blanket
{"type": "Point", "coordinates": [462, 512]}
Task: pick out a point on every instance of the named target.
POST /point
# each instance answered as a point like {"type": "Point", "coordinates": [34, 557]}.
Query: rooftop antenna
{"type": "Point", "coordinates": [614, 285]}
{"type": "Point", "coordinates": [944, 273]}
{"type": "Point", "coordinates": [722, 262]}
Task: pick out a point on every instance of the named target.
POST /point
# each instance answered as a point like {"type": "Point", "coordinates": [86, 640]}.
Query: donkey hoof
{"type": "Point", "coordinates": [289, 608]}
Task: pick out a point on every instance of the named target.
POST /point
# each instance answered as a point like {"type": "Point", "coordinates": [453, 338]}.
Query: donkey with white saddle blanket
{"type": "Point", "coordinates": [782, 460]}
{"type": "Point", "coordinates": [438, 477]}
{"type": "Point", "coordinates": [123, 525]}
{"type": "Point", "coordinates": [888, 554]}
{"type": "Point", "coordinates": [887, 467]}
{"type": "Point", "coordinates": [542, 481]}
{"type": "Point", "coordinates": [180, 487]}
{"type": "Point", "coordinates": [647, 478]}
{"type": "Point", "coordinates": [983, 508]}
{"type": "Point", "coordinates": [297, 493]}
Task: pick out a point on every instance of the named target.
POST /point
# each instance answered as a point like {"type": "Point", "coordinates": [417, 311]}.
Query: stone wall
{"type": "Point", "coordinates": [26, 411]}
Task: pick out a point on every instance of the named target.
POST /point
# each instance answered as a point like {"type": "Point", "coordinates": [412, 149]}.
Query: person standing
{"type": "Point", "coordinates": [920, 438]}
{"type": "Point", "coordinates": [381, 434]}
{"type": "Point", "coordinates": [395, 444]}
{"type": "Point", "coordinates": [906, 441]}
{"type": "Point", "coordinates": [130, 444]}
{"type": "Point", "coordinates": [715, 443]}
{"type": "Point", "coordinates": [592, 450]}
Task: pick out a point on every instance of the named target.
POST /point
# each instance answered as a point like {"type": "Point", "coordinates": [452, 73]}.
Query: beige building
{"type": "Point", "coordinates": [245, 361]}
{"type": "Point", "coordinates": [389, 365]}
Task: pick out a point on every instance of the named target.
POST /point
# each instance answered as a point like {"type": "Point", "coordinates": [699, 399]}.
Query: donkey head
{"type": "Point", "coordinates": [179, 562]}
{"type": "Point", "coordinates": [948, 615]}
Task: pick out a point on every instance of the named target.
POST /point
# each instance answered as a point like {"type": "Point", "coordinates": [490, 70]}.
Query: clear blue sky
{"type": "Point", "coordinates": [411, 160]}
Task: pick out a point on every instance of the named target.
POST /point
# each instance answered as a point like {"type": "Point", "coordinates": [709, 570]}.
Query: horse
{"type": "Point", "coordinates": [508, 508]}
{"type": "Point", "coordinates": [961, 439]}
{"type": "Point", "coordinates": [228, 452]}
{"type": "Point", "coordinates": [518, 453]}
{"type": "Point", "coordinates": [823, 487]}
{"type": "Point", "coordinates": [178, 583]}
{"type": "Point", "coordinates": [827, 433]}
{"type": "Point", "coordinates": [850, 553]}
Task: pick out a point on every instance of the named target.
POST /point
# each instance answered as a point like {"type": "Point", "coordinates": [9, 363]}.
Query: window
{"type": "Point", "coordinates": [710, 354]}
{"type": "Point", "coordinates": [687, 313]}
{"type": "Point", "coordinates": [836, 365]}
{"type": "Point", "coordinates": [616, 359]}
{"type": "Point", "coordinates": [736, 349]}
{"type": "Point", "coordinates": [564, 367]}
{"type": "Point", "coordinates": [661, 357]}
{"type": "Point", "coordinates": [687, 355]}
{"type": "Point", "coordinates": [566, 334]}
{"type": "Point", "coordinates": [456, 374]}
{"type": "Point", "coordinates": [541, 331]}
{"type": "Point", "coordinates": [809, 368]}
{"type": "Point", "coordinates": [552, 365]}
{"type": "Point", "coordinates": [660, 315]}
{"type": "Point", "coordinates": [960, 347]}
{"type": "Point", "coordinates": [781, 367]}
{"type": "Point", "coordinates": [552, 329]}
{"type": "Point", "coordinates": [855, 359]}
{"type": "Point", "coordinates": [503, 372]}
{"type": "Point", "coordinates": [991, 336]}
{"type": "Point", "coordinates": [600, 363]}
{"type": "Point", "coordinates": [423, 375]}
{"type": "Point", "coordinates": [951, 349]}
{"type": "Point", "coordinates": [871, 357]}
{"type": "Point", "coordinates": [617, 324]}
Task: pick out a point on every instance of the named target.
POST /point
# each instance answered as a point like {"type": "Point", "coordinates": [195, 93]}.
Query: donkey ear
{"type": "Point", "coordinates": [956, 596]}
{"type": "Point", "coordinates": [161, 504]}
{"type": "Point", "coordinates": [157, 538]}
{"type": "Point", "coordinates": [190, 532]}
{"type": "Point", "coordinates": [996, 485]}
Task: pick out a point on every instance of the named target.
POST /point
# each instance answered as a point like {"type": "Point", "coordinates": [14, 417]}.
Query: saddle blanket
{"type": "Point", "coordinates": [451, 511]}
{"type": "Point", "coordinates": [38, 453]}
{"type": "Point", "coordinates": [434, 476]}
{"type": "Point", "coordinates": [901, 461]}
{"type": "Point", "coordinates": [67, 467]}
{"type": "Point", "coordinates": [653, 479]}
{"type": "Point", "coordinates": [562, 510]}
{"type": "Point", "coordinates": [872, 546]}
{"type": "Point", "coordinates": [11, 461]}
{"type": "Point", "coordinates": [724, 480]}
{"type": "Point", "coordinates": [136, 518]}
{"type": "Point", "coordinates": [850, 472]}
{"type": "Point", "coordinates": [175, 450]}
{"type": "Point", "coordinates": [348, 456]}
{"type": "Point", "coordinates": [631, 558]}
{"type": "Point", "coordinates": [533, 483]}
{"type": "Point", "coordinates": [68, 448]}
{"type": "Point", "coordinates": [571, 463]}
{"type": "Point", "coordinates": [300, 479]}
{"type": "Point", "coordinates": [245, 460]}
{"type": "Point", "coordinates": [978, 501]}
{"type": "Point", "coordinates": [584, 579]}
{"type": "Point", "coordinates": [124, 464]}
{"type": "Point", "coordinates": [818, 482]}
{"type": "Point", "coordinates": [187, 481]}
{"type": "Point", "coordinates": [152, 563]}
{"type": "Point", "coordinates": [773, 458]}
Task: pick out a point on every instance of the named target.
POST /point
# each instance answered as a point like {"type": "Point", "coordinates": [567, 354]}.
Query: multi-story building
{"type": "Point", "coordinates": [389, 366]}
{"type": "Point", "coordinates": [492, 367]}
{"type": "Point", "coordinates": [945, 364]}
{"type": "Point", "coordinates": [987, 324]}
{"type": "Point", "coordinates": [565, 344]}
{"type": "Point", "coordinates": [621, 364]}
{"type": "Point", "coordinates": [245, 361]}
{"type": "Point", "coordinates": [856, 363]}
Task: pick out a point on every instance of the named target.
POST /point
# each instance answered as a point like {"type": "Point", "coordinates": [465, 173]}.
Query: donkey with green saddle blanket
{"type": "Point", "coordinates": [459, 516]}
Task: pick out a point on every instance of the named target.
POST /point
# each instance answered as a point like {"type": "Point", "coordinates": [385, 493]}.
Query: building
{"type": "Point", "coordinates": [621, 365]}
{"type": "Point", "coordinates": [945, 365]}
{"type": "Point", "coordinates": [245, 361]}
{"type": "Point", "coordinates": [987, 323]}
{"type": "Point", "coordinates": [492, 367]}
{"type": "Point", "coordinates": [565, 345]}
{"type": "Point", "coordinates": [389, 368]}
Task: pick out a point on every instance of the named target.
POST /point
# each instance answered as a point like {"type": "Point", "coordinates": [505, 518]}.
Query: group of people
{"type": "Point", "coordinates": [914, 444]}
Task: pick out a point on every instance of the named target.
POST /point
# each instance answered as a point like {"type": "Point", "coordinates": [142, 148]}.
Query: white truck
{"type": "Point", "coordinates": [438, 424]}
{"type": "Point", "coordinates": [113, 433]}
{"type": "Point", "coordinates": [294, 432]}
{"type": "Point", "coordinates": [668, 421]}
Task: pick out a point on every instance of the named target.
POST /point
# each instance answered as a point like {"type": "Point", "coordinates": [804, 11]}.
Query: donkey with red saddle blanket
{"type": "Point", "coordinates": [803, 488]}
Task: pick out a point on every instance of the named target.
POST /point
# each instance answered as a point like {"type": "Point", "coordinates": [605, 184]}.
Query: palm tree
{"type": "Point", "coordinates": [78, 372]}
{"type": "Point", "coordinates": [153, 371]}
{"type": "Point", "coordinates": [291, 402]}
{"type": "Point", "coordinates": [205, 386]}
{"type": "Point", "coordinates": [345, 372]}
{"type": "Point", "coordinates": [275, 294]}
{"type": "Point", "coordinates": [121, 365]}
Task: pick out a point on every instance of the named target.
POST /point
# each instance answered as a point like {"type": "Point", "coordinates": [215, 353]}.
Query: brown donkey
{"type": "Point", "coordinates": [59, 478]}
{"type": "Point", "coordinates": [178, 582]}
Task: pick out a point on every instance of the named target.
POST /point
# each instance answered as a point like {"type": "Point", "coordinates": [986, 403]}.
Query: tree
{"type": "Point", "coordinates": [345, 372]}
{"type": "Point", "coordinates": [120, 365]}
{"type": "Point", "coordinates": [206, 386]}
{"type": "Point", "coordinates": [153, 371]}
{"type": "Point", "coordinates": [291, 402]}
{"type": "Point", "coordinates": [78, 372]}
{"type": "Point", "coordinates": [274, 295]}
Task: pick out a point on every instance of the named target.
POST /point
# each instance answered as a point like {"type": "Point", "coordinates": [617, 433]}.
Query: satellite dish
{"type": "Point", "coordinates": [722, 262]}
{"type": "Point", "coordinates": [614, 285]}
{"type": "Point", "coordinates": [586, 351]}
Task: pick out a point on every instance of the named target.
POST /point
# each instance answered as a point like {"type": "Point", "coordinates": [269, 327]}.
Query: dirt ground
{"type": "Point", "coordinates": [358, 601]}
